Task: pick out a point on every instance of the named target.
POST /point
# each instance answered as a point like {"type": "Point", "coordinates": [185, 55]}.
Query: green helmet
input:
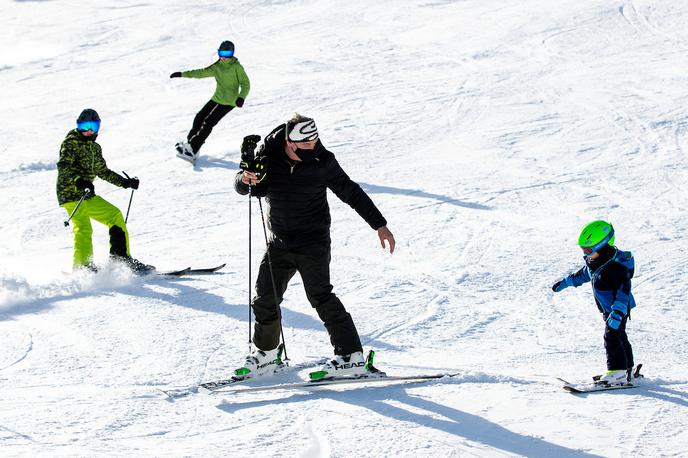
{"type": "Point", "coordinates": [596, 235]}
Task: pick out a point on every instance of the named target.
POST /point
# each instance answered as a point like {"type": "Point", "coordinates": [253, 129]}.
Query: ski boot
{"type": "Point", "coordinates": [89, 268]}
{"type": "Point", "coordinates": [635, 374]}
{"type": "Point", "coordinates": [134, 264]}
{"type": "Point", "coordinates": [347, 366]}
{"type": "Point", "coordinates": [184, 151]}
{"type": "Point", "coordinates": [615, 377]}
{"type": "Point", "coordinates": [261, 362]}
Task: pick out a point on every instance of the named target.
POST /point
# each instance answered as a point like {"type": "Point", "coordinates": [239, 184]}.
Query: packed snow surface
{"type": "Point", "coordinates": [488, 132]}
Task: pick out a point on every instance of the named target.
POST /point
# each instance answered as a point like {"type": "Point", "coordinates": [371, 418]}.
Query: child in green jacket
{"type": "Point", "coordinates": [81, 161]}
{"type": "Point", "coordinates": [232, 89]}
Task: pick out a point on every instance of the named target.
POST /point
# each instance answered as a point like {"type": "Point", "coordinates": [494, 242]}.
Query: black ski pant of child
{"type": "Point", "coordinates": [203, 123]}
{"type": "Point", "coordinates": [313, 264]}
{"type": "Point", "coordinates": [619, 351]}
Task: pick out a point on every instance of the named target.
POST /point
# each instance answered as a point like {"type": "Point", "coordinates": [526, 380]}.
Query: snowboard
{"type": "Point", "coordinates": [184, 153]}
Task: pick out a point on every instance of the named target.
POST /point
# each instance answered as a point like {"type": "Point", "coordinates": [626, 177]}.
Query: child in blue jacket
{"type": "Point", "coordinates": [610, 271]}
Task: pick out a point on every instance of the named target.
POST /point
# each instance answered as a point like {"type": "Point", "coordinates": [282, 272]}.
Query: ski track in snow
{"type": "Point", "coordinates": [488, 133]}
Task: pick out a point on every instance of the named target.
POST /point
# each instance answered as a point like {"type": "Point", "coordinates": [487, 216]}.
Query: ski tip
{"type": "Point", "coordinates": [173, 273]}
{"type": "Point", "coordinates": [175, 393]}
{"type": "Point", "coordinates": [206, 270]}
{"type": "Point", "coordinates": [204, 390]}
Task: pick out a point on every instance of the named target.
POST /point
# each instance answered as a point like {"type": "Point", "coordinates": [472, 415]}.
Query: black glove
{"type": "Point", "coordinates": [259, 166]}
{"type": "Point", "coordinates": [176, 75]}
{"type": "Point", "coordinates": [248, 148]}
{"type": "Point", "coordinates": [239, 102]}
{"type": "Point", "coordinates": [82, 183]}
{"type": "Point", "coordinates": [131, 183]}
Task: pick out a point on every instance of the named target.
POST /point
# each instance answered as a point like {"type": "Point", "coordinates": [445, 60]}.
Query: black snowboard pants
{"type": "Point", "coordinates": [203, 123]}
{"type": "Point", "coordinates": [313, 264]}
{"type": "Point", "coordinates": [619, 351]}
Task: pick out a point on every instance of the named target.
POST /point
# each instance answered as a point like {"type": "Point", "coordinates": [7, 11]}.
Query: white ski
{"type": "Point", "coordinates": [579, 388]}
{"type": "Point", "coordinates": [210, 387]}
{"type": "Point", "coordinates": [596, 385]}
{"type": "Point", "coordinates": [370, 379]}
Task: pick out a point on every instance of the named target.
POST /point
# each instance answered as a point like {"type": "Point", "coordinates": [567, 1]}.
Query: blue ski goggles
{"type": "Point", "coordinates": [227, 53]}
{"type": "Point", "coordinates": [88, 125]}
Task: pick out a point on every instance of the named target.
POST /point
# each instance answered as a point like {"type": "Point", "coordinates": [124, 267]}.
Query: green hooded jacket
{"type": "Point", "coordinates": [81, 158]}
{"type": "Point", "coordinates": [232, 81]}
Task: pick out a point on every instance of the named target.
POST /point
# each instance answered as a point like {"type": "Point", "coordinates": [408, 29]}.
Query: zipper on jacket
{"type": "Point", "coordinates": [598, 273]}
{"type": "Point", "coordinates": [291, 166]}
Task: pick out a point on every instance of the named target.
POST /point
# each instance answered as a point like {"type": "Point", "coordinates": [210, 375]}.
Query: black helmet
{"type": "Point", "coordinates": [89, 114]}
{"type": "Point", "coordinates": [226, 46]}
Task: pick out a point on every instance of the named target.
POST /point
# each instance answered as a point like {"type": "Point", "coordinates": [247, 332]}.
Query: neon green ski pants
{"type": "Point", "coordinates": [105, 213]}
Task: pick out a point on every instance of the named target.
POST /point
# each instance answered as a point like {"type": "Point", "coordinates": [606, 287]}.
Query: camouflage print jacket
{"type": "Point", "coordinates": [81, 158]}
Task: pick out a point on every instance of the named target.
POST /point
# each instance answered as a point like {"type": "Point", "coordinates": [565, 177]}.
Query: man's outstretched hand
{"type": "Point", "coordinates": [386, 235]}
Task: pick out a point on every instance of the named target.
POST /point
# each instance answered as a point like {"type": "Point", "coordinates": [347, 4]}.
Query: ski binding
{"type": "Point", "coordinates": [597, 385]}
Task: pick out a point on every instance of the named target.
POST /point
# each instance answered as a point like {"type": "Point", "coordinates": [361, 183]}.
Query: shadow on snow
{"type": "Point", "coordinates": [453, 421]}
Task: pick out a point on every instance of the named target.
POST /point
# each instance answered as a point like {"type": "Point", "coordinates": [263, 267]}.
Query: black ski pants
{"type": "Point", "coordinates": [619, 351]}
{"type": "Point", "coordinates": [203, 123]}
{"type": "Point", "coordinates": [313, 264]}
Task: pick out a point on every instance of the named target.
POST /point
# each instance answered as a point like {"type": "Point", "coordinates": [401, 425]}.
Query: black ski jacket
{"type": "Point", "coordinates": [296, 192]}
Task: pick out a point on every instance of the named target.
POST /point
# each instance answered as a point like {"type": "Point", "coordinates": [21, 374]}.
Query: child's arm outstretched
{"type": "Point", "coordinates": [576, 279]}
{"type": "Point", "coordinates": [198, 73]}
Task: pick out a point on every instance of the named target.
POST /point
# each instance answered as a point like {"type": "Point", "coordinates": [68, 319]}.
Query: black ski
{"type": "Point", "coordinates": [190, 271]}
{"type": "Point", "coordinates": [174, 273]}
{"type": "Point", "coordinates": [207, 270]}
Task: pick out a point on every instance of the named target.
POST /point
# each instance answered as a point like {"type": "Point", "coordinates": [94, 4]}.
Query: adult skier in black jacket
{"type": "Point", "coordinates": [293, 170]}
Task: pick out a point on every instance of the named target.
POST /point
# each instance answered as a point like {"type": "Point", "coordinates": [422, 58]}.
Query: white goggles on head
{"type": "Point", "coordinates": [304, 131]}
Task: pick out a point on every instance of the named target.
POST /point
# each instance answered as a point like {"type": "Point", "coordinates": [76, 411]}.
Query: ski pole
{"type": "Point", "coordinates": [272, 279]}
{"type": "Point", "coordinates": [86, 192]}
{"type": "Point", "coordinates": [250, 316]}
{"type": "Point", "coordinates": [131, 197]}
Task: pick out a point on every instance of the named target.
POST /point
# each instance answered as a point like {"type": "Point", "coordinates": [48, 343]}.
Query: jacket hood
{"type": "Point", "coordinates": [228, 61]}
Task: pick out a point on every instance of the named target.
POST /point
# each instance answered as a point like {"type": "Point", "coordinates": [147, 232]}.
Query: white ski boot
{"type": "Point", "coordinates": [353, 365]}
{"type": "Point", "coordinates": [261, 362]}
{"type": "Point", "coordinates": [616, 377]}
{"type": "Point", "coordinates": [185, 152]}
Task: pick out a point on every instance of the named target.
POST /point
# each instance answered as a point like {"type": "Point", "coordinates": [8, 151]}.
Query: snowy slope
{"type": "Point", "coordinates": [488, 133]}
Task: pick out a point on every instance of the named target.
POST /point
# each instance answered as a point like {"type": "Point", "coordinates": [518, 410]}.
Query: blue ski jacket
{"type": "Point", "coordinates": [610, 276]}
